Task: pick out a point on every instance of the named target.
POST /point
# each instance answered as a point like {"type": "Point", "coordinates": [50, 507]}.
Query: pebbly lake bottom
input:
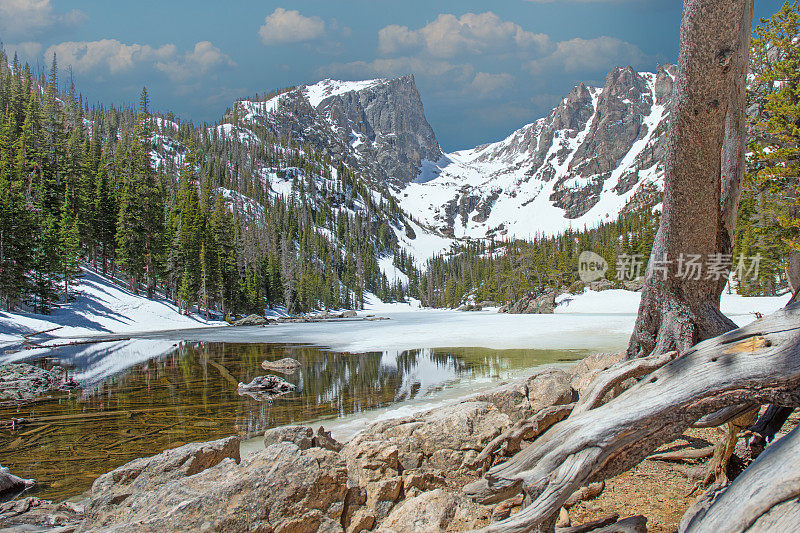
{"type": "Point", "coordinates": [142, 396]}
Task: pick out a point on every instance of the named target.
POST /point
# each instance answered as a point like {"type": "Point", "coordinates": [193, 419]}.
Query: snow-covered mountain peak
{"type": "Point", "coordinates": [324, 89]}
{"type": "Point", "coordinates": [579, 166]}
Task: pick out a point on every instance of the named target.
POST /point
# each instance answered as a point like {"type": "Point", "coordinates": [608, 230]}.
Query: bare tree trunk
{"type": "Point", "coordinates": [702, 182]}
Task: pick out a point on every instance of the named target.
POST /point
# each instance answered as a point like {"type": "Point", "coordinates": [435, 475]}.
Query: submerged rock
{"type": "Point", "coordinates": [286, 365]}
{"type": "Point", "coordinates": [21, 382]}
{"type": "Point", "coordinates": [269, 384]}
{"type": "Point", "coordinates": [33, 514]}
{"type": "Point", "coordinates": [265, 388]}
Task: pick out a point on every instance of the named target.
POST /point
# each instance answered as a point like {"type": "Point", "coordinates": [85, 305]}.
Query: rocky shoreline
{"type": "Point", "coordinates": [400, 475]}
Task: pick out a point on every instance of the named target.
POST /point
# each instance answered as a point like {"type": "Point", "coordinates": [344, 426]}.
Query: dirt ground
{"type": "Point", "coordinates": [656, 489]}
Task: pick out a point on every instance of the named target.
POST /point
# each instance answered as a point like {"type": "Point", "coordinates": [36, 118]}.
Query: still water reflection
{"type": "Point", "coordinates": [141, 397]}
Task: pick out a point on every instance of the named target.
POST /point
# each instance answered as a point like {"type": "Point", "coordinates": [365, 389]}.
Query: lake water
{"type": "Point", "coordinates": [142, 396]}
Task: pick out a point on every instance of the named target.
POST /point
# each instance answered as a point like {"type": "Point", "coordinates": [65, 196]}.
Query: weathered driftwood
{"type": "Point", "coordinates": [609, 524]}
{"type": "Point", "coordinates": [618, 373]}
{"type": "Point", "coordinates": [723, 416]}
{"type": "Point", "coordinates": [759, 363]}
{"type": "Point", "coordinates": [530, 428]}
{"type": "Point", "coordinates": [691, 454]}
{"type": "Point", "coordinates": [762, 498]}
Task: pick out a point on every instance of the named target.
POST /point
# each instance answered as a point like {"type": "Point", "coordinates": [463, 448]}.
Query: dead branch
{"type": "Point", "coordinates": [618, 373]}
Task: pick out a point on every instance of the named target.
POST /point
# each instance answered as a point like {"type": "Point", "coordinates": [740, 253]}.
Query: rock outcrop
{"type": "Point", "coordinates": [252, 320]}
{"type": "Point", "coordinates": [377, 126]}
{"type": "Point", "coordinates": [541, 304]}
{"type": "Point", "coordinates": [401, 475]}
{"type": "Point", "coordinates": [385, 123]}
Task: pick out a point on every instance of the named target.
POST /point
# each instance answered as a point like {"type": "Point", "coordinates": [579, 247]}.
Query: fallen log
{"type": "Point", "coordinates": [759, 363]}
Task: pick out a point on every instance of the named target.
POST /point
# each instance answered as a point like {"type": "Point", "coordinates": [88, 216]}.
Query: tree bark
{"type": "Point", "coordinates": [704, 167]}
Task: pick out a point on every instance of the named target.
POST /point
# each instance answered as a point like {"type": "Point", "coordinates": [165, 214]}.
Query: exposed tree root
{"type": "Point", "coordinates": [530, 428]}
{"type": "Point", "coordinates": [691, 454]}
{"type": "Point", "coordinates": [618, 373]}
{"type": "Point", "coordinates": [759, 363]}
{"type": "Point", "coordinates": [762, 498]}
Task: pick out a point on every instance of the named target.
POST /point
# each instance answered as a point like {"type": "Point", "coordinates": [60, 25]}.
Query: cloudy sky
{"type": "Point", "coordinates": [483, 68]}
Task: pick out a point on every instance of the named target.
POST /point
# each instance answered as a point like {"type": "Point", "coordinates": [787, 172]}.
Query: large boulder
{"type": "Point", "coordinates": [252, 320]}
{"type": "Point", "coordinates": [585, 371]}
{"type": "Point", "coordinates": [435, 511]}
{"type": "Point", "coordinates": [149, 473]}
{"type": "Point", "coordinates": [550, 387]}
{"type": "Point", "coordinates": [280, 489]}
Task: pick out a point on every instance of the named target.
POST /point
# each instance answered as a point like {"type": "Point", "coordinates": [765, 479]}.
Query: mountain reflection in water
{"type": "Point", "coordinates": [143, 396]}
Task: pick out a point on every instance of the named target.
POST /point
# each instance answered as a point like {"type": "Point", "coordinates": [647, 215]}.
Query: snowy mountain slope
{"type": "Point", "coordinates": [576, 167]}
{"type": "Point", "coordinates": [579, 166]}
{"type": "Point", "coordinates": [102, 306]}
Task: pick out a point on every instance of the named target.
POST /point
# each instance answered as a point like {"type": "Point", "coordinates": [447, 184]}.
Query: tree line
{"type": "Point", "coordinates": [170, 208]}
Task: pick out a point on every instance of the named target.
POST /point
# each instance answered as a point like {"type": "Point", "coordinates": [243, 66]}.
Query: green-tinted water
{"type": "Point", "coordinates": [187, 392]}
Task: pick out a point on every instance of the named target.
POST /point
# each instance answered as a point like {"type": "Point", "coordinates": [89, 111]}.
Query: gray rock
{"type": "Point", "coordinates": [287, 365]}
{"type": "Point", "coordinates": [390, 118]}
{"type": "Point", "coordinates": [533, 304]}
{"type": "Point", "coordinates": [148, 473]}
{"type": "Point", "coordinates": [282, 489]}
{"type": "Point", "coordinates": [434, 511]}
{"type": "Point", "coordinates": [301, 436]}
{"type": "Point", "coordinates": [252, 320]}
{"type": "Point", "coordinates": [269, 384]}
{"type": "Point", "coordinates": [11, 484]}
{"type": "Point", "coordinates": [548, 388]}
{"type": "Point", "coordinates": [33, 514]}
{"type": "Point", "coordinates": [348, 314]}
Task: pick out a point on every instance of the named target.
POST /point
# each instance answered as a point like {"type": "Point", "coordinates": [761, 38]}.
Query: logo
{"type": "Point", "coordinates": [591, 267]}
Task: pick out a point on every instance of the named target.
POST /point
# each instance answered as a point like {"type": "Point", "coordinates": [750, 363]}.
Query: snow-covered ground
{"type": "Point", "coordinates": [101, 307]}
{"type": "Point", "coordinates": [598, 321]}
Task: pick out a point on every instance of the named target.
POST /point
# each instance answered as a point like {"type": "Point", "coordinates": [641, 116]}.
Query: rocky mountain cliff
{"type": "Point", "coordinates": [580, 165]}
{"type": "Point", "coordinates": [598, 152]}
{"type": "Point", "coordinates": [376, 126]}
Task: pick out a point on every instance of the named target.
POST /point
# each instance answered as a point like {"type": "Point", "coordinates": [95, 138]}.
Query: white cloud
{"type": "Point", "coordinates": [289, 26]}
{"type": "Point", "coordinates": [27, 18]}
{"type": "Point", "coordinates": [449, 36]}
{"type": "Point", "coordinates": [588, 55]}
{"type": "Point", "coordinates": [110, 56]}
{"type": "Point", "coordinates": [28, 51]}
{"type": "Point", "coordinates": [199, 61]}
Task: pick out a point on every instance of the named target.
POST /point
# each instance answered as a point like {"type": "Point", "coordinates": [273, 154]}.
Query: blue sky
{"type": "Point", "coordinates": [483, 68]}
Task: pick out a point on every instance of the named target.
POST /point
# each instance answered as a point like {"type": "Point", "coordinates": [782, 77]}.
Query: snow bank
{"type": "Point", "coordinates": [101, 307]}
{"type": "Point", "coordinates": [738, 308]}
